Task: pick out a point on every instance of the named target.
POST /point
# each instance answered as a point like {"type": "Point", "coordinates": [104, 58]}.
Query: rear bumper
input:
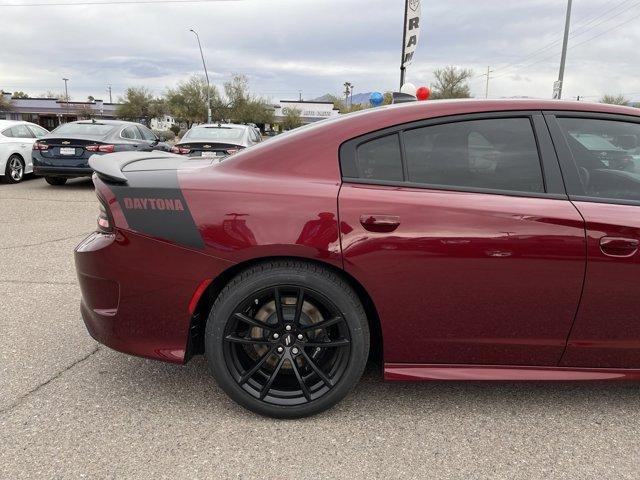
{"type": "Point", "coordinates": [61, 166]}
{"type": "Point", "coordinates": [136, 292]}
{"type": "Point", "coordinates": [66, 172]}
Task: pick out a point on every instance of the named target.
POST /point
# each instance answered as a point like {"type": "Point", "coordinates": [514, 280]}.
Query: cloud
{"type": "Point", "coordinates": [284, 46]}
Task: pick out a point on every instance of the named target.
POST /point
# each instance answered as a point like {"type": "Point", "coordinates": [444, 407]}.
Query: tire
{"type": "Point", "coordinates": [14, 171]}
{"type": "Point", "coordinates": [296, 376]}
{"type": "Point", "coordinates": [55, 180]}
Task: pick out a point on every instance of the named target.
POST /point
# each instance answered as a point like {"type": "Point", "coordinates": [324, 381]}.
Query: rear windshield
{"type": "Point", "coordinates": [213, 133]}
{"type": "Point", "coordinates": [84, 129]}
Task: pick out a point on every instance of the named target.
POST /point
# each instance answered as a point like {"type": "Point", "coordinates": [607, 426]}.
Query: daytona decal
{"type": "Point", "coordinates": [153, 204]}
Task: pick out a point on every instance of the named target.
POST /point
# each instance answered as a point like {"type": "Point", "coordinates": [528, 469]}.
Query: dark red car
{"type": "Point", "coordinates": [467, 240]}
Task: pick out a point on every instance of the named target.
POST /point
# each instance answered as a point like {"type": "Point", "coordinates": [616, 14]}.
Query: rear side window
{"type": "Point", "coordinates": [495, 154]}
{"type": "Point", "coordinates": [21, 131]}
{"type": "Point", "coordinates": [607, 154]}
{"type": "Point", "coordinates": [38, 132]}
{"type": "Point", "coordinates": [380, 159]}
{"type": "Point", "coordinates": [131, 133]}
{"type": "Point", "coordinates": [147, 134]}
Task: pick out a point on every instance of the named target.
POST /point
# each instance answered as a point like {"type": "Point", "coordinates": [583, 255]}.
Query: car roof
{"type": "Point", "coordinates": [221, 125]}
{"type": "Point", "coordinates": [11, 123]}
{"type": "Point", "coordinates": [365, 121]}
{"type": "Point", "coordinates": [439, 108]}
{"type": "Point", "coordinates": [101, 121]}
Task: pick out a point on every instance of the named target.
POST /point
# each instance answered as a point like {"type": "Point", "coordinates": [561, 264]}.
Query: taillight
{"type": "Point", "coordinates": [180, 150]}
{"type": "Point", "coordinates": [231, 151]}
{"type": "Point", "coordinates": [100, 148]}
{"type": "Point", "coordinates": [104, 219]}
{"type": "Point", "coordinates": [40, 146]}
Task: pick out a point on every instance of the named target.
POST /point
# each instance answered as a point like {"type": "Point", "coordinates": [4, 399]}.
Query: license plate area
{"type": "Point", "coordinates": [67, 151]}
{"type": "Point", "coordinates": [209, 154]}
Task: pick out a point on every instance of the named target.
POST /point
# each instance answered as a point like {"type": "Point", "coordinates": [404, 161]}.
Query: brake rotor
{"type": "Point", "coordinates": [310, 316]}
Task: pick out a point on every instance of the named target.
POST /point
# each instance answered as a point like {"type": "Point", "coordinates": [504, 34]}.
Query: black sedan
{"type": "Point", "coordinates": [64, 153]}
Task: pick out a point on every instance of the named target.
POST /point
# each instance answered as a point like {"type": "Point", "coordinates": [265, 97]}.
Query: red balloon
{"type": "Point", "coordinates": [423, 93]}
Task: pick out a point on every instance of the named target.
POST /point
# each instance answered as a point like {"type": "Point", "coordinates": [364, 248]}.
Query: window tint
{"type": "Point", "coordinates": [131, 133]}
{"type": "Point", "coordinates": [380, 159]}
{"type": "Point", "coordinates": [494, 154]}
{"type": "Point", "coordinates": [7, 132]}
{"type": "Point", "coordinates": [147, 134]}
{"type": "Point", "coordinates": [21, 131]}
{"type": "Point", "coordinates": [607, 154]}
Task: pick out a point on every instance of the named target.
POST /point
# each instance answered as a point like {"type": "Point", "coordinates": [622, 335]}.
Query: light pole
{"type": "Point", "coordinates": [567, 23]}
{"type": "Point", "coordinates": [66, 93]}
{"type": "Point", "coordinates": [206, 74]}
{"type": "Point", "coordinates": [486, 88]}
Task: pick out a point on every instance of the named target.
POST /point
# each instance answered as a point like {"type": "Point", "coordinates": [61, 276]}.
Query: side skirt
{"type": "Point", "coordinates": [414, 372]}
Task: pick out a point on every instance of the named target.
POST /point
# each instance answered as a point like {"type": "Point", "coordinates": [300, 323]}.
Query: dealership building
{"type": "Point", "coordinates": [51, 112]}
{"type": "Point", "coordinates": [310, 112]}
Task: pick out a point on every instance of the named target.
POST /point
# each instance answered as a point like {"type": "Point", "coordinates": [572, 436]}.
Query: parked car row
{"type": "Point", "coordinates": [64, 153]}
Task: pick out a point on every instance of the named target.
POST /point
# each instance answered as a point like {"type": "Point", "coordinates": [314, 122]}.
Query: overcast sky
{"type": "Point", "coordinates": [284, 46]}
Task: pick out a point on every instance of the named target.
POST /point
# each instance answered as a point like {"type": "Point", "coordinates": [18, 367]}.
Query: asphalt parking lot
{"type": "Point", "coordinates": [72, 409]}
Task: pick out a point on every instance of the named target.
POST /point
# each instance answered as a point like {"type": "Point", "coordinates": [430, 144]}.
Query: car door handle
{"type": "Point", "coordinates": [380, 223]}
{"type": "Point", "coordinates": [619, 246]}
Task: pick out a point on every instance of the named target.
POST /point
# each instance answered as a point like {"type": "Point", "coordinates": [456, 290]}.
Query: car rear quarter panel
{"type": "Point", "coordinates": [272, 200]}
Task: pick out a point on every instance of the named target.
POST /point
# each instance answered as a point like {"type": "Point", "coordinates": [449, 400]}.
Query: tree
{"type": "Point", "coordinates": [85, 112]}
{"type": "Point", "coordinates": [388, 98]}
{"type": "Point", "coordinates": [188, 101]}
{"type": "Point", "coordinates": [90, 98]}
{"type": "Point", "coordinates": [139, 104]}
{"type": "Point", "coordinates": [451, 82]}
{"type": "Point", "coordinates": [244, 107]}
{"type": "Point", "coordinates": [348, 90]}
{"type": "Point", "coordinates": [61, 97]}
{"type": "Point", "coordinates": [614, 99]}
{"type": "Point", "coordinates": [292, 119]}
{"type": "Point", "coordinates": [5, 103]}
{"type": "Point", "coordinates": [19, 94]}
{"type": "Point", "coordinates": [342, 107]}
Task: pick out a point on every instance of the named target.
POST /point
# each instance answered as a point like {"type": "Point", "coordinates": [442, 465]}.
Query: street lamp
{"type": "Point", "coordinates": [66, 93]}
{"type": "Point", "coordinates": [206, 74]}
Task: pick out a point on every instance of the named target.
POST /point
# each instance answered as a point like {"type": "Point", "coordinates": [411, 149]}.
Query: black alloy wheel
{"type": "Point", "coordinates": [287, 341]}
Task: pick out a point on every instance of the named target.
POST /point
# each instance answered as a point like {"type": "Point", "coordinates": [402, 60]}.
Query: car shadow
{"type": "Point", "coordinates": [166, 382]}
{"type": "Point", "coordinates": [84, 183]}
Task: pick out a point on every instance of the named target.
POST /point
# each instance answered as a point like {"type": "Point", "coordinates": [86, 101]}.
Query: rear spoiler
{"type": "Point", "coordinates": [111, 167]}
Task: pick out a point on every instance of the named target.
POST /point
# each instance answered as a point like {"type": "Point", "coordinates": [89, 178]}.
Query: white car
{"type": "Point", "coordinates": [16, 142]}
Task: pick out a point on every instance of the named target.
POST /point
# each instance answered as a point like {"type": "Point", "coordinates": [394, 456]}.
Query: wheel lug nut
{"type": "Point", "coordinates": [280, 349]}
{"type": "Point", "coordinates": [288, 328]}
{"type": "Point", "coordinates": [276, 336]}
{"type": "Point", "coordinates": [300, 336]}
{"type": "Point", "coordinates": [295, 350]}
